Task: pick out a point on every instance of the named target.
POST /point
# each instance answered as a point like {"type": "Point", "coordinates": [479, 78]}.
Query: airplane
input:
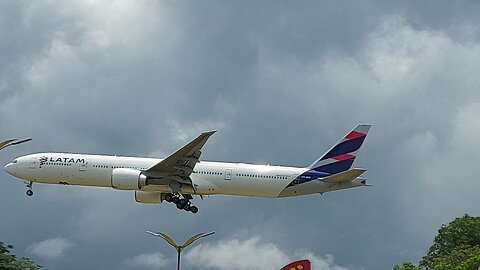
{"type": "Point", "coordinates": [180, 176]}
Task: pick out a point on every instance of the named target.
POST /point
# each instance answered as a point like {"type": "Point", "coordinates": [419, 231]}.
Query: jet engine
{"type": "Point", "coordinates": [128, 179]}
{"type": "Point", "coordinates": [148, 196]}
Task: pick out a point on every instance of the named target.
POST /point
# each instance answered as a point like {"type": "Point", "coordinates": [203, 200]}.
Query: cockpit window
{"type": "Point", "coordinates": [15, 161]}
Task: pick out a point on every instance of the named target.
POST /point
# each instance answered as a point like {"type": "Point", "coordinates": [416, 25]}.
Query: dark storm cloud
{"type": "Point", "coordinates": [281, 82]}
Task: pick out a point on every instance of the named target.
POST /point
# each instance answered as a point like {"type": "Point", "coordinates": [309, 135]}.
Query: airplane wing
{"type": "Point", "coordinates": [12, 142]}
{"type": "Point", "coordinates": [344, 176]}
{"type": "Point", "coordinates": [177, 167]}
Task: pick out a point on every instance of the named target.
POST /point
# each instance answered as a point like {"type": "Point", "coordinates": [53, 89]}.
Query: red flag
{"type": "Point", "coordinates": [298, 265]}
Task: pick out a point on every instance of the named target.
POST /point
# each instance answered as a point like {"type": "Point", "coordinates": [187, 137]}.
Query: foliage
{"type": "Point", "coordinates": [456, 247]}
{"type": "Point", "coordinates": [406, 266]}
{"type": "Point", "coordinates": [454, 243]}
{"type": "Point", "coordinates": [10, 262]}
{"type": "Point", "coordinates": [457, 256]}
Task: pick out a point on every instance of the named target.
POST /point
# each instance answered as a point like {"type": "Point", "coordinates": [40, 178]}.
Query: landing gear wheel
{"type": "Point", "coordinates": [187, 207]}
{"type": "Point", "coordinates": [194, 209]}
{"type": "Point", "coordinates": [182, 202]}
{"type": "Point", "coordinates": [168, 197]}
{"type": "Point", "coordinates": [179, 206]}
{"type": "Point", "coordinates": [29, 188]}
{"type": "Point", "coordinates": [175, 200]}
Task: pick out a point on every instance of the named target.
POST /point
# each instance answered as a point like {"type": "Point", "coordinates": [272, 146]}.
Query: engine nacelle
{"type": "Point", "coordinates": [148, 196]}
{"type": "Point", "coordinates": [128, 179]}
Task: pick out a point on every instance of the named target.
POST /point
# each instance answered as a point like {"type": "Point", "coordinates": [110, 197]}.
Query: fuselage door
{"type": "Point", "coordinates": [82, 167]}
{"type": "Point", "coordinates": [33, 164]}
{"type": "Point", "coordinates": [228, 174]}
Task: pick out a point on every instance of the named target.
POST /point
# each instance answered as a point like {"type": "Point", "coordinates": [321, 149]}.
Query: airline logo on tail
{"type": "Point", "coordinates": [298, 265]}
{"type": "Point", "coordinates": [341, 156]}
{"type": "Point", "coordinates": [338, 159]}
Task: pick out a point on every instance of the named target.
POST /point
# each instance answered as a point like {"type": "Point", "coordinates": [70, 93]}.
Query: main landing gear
{"type": "Point", "coordinates": [29, 189]}
{"type": "Point", "coordinates": [181, 203]}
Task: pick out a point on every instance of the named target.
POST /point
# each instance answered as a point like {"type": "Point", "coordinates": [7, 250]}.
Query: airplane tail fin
{"type": "Point", "coordinates": [341, 156]}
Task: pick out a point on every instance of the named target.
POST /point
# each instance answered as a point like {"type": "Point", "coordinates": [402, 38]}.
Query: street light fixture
{"type": "Point", "coordinates": [178, 248]}
{"type": "Point", "coordinates": [10, 142]}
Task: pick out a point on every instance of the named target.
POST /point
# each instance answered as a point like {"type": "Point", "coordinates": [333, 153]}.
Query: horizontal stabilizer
{"type": "Point", "coordinates": [344, 176]}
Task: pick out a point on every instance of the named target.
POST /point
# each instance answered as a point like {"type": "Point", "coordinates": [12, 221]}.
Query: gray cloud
{"type": "Point", "coordinates": [281, 82]}
{"type": "Point", "coordinates": [152, 260]}
{"type": "Point", "coordinates": [51, 248]}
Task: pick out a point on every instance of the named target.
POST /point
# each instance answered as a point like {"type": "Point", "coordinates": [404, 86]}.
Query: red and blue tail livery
{"type": "Point", "coordinates": [338, 159]}
{"type": "Point", "coordinates": [341, 156]}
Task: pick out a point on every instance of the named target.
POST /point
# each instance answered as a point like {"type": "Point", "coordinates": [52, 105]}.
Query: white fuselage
{"type": "Point", "coordinates": [208, 177]}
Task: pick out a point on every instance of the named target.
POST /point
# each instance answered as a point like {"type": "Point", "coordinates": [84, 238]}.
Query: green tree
{"type": "Point", "coordinates": [470, 264]}
{"type": "Point", "coordinates": [456, 257]}
{"type": "Point", "coordinates": [10, 262]}
{"type": "Point", "coordinates": [456, 247]}
{"type": "Point", "coordinates": [454, 244]}
{"type": "Point", "coordinates": [406, 266]}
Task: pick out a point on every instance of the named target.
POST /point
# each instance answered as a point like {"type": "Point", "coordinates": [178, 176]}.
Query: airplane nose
{"type": "Point", "coordinates": [10, 168]}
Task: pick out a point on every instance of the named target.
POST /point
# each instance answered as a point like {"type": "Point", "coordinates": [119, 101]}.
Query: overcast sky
{"type": "Point", "coordinates": [281, 81]}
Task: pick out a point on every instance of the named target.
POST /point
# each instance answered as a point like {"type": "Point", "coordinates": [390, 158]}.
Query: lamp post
{"type": "Point", "coordinates": [178, 248]}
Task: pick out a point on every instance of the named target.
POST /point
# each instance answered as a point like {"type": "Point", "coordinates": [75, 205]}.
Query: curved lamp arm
{"type": "Point", "coordinates": [10, 142]}
{"type": "Point", "coordinates": [195, 238]}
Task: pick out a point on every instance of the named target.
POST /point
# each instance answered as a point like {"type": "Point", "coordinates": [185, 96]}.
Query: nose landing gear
{"type": "Point", "coordinates": [29, 189]}
{"type": "Point", "coordinates": [182, 203]}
